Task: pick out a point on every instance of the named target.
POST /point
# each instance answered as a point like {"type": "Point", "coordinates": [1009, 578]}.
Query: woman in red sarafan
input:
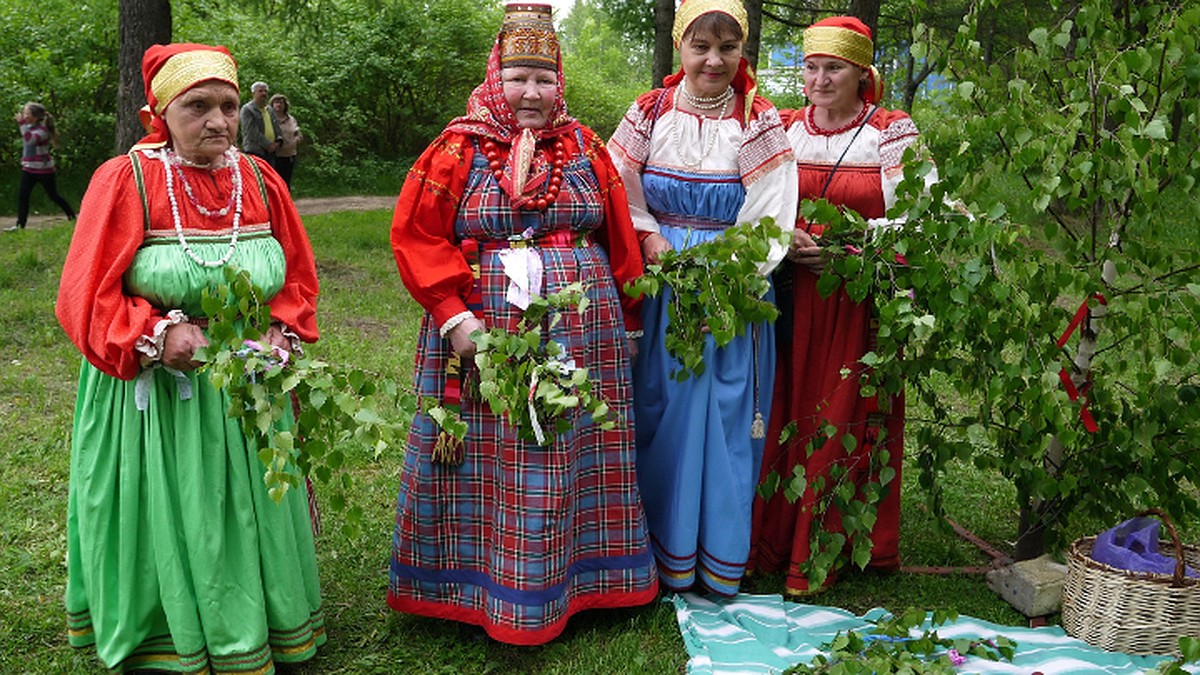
{"type": "Point", "coordinates": [848, 151]}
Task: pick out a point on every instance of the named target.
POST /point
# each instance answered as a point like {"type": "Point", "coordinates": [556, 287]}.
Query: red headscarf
{"type": "Point", "coordinates": [489, 116]}
{"type": "Point", "coordinates": [848, 39]}
{"type": "Point", "coordinates": [170, 70]}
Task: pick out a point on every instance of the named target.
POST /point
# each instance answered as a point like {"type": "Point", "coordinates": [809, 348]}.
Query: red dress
{"type": "Point", "coordinates": [828, 337]}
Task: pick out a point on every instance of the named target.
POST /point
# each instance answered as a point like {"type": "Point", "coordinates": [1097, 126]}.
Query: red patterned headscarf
{"type": "Point", "coordinates": [488, 113]}
{"type": "Point", "coordinates": [170, 70]}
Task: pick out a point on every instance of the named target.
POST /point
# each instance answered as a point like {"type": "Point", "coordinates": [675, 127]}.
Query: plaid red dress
{"type": "Point", "coordinates": [520, 536]}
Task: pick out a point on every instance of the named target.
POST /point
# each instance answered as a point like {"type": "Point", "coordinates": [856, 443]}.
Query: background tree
{"type": "Point", "coordinates": [142, 23]}
{"type": "Point", "coordinates": [603, 68]}
{"type": "Point", "coordinates": [664, 44]}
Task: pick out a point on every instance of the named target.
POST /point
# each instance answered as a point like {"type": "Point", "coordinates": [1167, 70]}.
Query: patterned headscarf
{"type": "Point", "coordinates": [170, 70]}
{"type": "Point", "coordinates": [489, 115]}
{"type": "Point", "coordinates": [848, 39]}
{"type": "Point", "coordinates": [744, 82]}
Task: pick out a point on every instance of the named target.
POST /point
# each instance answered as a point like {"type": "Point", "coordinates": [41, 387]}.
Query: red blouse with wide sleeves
{"type": "Point", "coordinates": [431, 265]}
{"type": "Point", "coordinates": [96, 312]}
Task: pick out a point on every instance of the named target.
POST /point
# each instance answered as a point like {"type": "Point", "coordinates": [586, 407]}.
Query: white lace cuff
{"type": "Point", "coordinates": [151, 346]}
{"type": "Point", "coordinates": [454, 321]}
{"type": "Point", "coordinates": [296, 345]}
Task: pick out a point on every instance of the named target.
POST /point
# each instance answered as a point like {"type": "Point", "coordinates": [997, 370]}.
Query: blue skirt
{"type": "Point", "coordinates": [697, 464]}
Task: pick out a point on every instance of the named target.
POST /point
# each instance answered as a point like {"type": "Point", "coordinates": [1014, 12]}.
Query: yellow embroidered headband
{"type": "Point", "coordinates": [848, 39]}
{"type": "Point", "coordinates": [839, 42]}
{"type": "Point", "coordinates": [691, 10]}
{"type": "Point", "coordinates": [184, 70]}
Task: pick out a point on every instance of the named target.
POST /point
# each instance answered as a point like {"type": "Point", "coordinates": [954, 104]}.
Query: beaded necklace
{"type": "Point", "coordinates": [709, 139]}
{"type": "Point", "coordinates": [187, 189]}
{"type": "Point", "coordinates": [703, 102]}
{"type": "Point", "coordinates": [553, 185]}
{"type": "Point", "coordinates": [811, 119]}
{"type": "Point", "coordinates": [167, 157]}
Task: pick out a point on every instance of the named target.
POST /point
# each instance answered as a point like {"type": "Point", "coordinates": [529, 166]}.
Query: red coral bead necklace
{"type": "Point", "coordinates": [558, 157]}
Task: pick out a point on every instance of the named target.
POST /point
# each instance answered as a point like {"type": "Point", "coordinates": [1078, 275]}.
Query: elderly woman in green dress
{"type": "Point", "coordinates": [178, 560]}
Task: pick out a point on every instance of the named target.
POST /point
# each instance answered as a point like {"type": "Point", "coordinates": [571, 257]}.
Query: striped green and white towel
{"type": "Point", "coordinates": [756, 634]}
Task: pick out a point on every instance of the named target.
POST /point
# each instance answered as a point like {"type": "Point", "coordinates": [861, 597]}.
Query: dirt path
{"type": "Point", "coordinates": [317, 205]}
{"type": "Point", "coordinates": [307, 206]}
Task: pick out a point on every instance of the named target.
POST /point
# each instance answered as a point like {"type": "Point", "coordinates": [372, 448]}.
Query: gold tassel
{"type": "Point", "coordinates": [448, 450]}
{"type": "Point", "coordinates": [758, 428]}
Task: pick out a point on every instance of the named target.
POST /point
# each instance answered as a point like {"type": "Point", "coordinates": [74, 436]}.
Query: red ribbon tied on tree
{"type": "Point", "coordinates": [1073, 392]}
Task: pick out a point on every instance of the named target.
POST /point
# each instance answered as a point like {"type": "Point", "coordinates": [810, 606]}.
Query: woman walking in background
{"type": "Point", "coordinates": [289, 140]}
{"type": "Point", "coordinates": [37, 166]}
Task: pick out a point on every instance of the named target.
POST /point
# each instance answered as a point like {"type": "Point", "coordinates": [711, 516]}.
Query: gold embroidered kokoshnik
{"type": "Point", "coordinates": [528, 37]}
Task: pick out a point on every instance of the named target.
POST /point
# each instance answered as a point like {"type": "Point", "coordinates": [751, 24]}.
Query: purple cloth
{"type": "Point", "coordinates": [1133, 546]}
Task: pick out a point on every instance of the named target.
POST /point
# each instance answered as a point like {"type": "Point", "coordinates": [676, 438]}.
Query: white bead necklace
{"type": "Point", "coordinates": [709, 139]}
{"type": "Point", "coordinates": [706, 102]}
{"type": "Point", "coordinates": [231, 160]}
{"type": "Point", "coordinates": [204, 211]}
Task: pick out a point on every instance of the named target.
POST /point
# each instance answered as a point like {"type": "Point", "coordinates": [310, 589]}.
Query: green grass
{"type": "Point", "coordinates": [367, 318]}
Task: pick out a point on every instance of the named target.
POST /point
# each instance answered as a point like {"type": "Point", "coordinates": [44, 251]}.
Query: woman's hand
{"type": "Point", "coordinates": [180, 344]}
{"type": "Point", "coordinates": [805, 251]}
{"type": "Point", "coordinates": [653, 247]}
{"type": "Point", "coordinates": [460, 337]}
{"type": "Point", "coordinates": [276, 338]}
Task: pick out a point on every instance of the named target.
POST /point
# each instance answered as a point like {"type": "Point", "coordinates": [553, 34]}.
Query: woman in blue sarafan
{"type": "Point", "coordinates": [698, 156]}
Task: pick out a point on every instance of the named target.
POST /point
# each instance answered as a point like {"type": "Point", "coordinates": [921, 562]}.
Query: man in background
{"type": "Point", "coordinates": [260, 129]}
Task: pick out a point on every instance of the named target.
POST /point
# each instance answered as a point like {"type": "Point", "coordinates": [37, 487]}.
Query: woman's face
{"type": "Point", "coordinates": [280, 108]}
{"type": "Point", "coordinates": [203, 121]}
{"type": "Point", "coordinates": [531, 93]}
{"type": "Point", "coordinates": [709, 62]}
{"type": "Point", "coordinates": [832, 83]}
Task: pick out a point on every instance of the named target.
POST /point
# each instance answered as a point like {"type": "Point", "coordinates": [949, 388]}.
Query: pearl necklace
{"type": "Point", "coordinates": [710, 139]}
{"type": "Point", "coordinates": [705, 103]}
{"type": "Point", "coordinates": [553, 185]}
{"type": "Point", "coordinates": [204, 211]}
{"type": "Point", "coordinates": [231, 160]}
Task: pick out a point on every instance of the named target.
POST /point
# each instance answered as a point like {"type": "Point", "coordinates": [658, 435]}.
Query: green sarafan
{"type": "Point", "coordinates": [334, 406]}
{"type": "Point", "coordinates": [529, 379]}
{"type": "Point", "coordinates": [715, 287]}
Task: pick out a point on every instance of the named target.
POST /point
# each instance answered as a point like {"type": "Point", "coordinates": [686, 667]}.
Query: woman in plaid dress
{"type": "Point", "coordinates": [520, 535]}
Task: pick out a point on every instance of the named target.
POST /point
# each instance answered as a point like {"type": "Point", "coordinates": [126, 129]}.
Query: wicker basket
{"type": "Point", "coordinates": [1132, 612]}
